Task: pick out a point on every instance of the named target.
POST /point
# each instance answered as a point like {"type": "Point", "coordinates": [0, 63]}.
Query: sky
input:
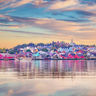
{"type": "Point", "coordinates": [25, 21]}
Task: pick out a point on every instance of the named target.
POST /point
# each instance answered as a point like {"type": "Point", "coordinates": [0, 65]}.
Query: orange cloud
{"type": "Point", "coordinates": [63, 4]}
{"type": "Point", "coordinates": [15, 3]}
{"type": "Point", "coordinates": [67, 29]}
{"type": "Point", "coordinates": [19, 3]}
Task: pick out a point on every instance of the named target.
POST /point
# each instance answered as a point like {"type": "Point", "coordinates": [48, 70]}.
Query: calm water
{"type": "Point", "coordinates": [48, 78]}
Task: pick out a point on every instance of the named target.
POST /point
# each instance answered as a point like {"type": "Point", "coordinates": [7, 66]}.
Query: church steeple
{"type": "Point", "coordinates": [72, 42]}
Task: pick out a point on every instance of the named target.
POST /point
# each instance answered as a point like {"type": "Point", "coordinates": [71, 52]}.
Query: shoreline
{"type": "Point", "coordinates": [53, 59]}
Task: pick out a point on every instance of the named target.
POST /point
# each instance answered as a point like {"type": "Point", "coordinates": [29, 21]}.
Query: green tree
{"type": "Point", "coordinates": [11, 51]}
{"type": "Point", "coordinates": [28, 50]}
{"type": "Point", "coordinates": [45, 49]}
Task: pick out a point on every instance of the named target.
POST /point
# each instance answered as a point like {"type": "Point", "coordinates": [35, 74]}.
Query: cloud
{"type": "Point", "coordinates": [13, 3]}
{"type": "Point", "coordinates": [68, 28]}
{"type": "Point", "coordinates": [57, 27]}
{"type": "Point", "coordinates": [87, 7]}
{"type": "Point", "coordinates": [18, 3]}
{"type": "Point", "coordinates": [63, 4]}
{"type": "Point", "coordinates": [23, 32]}
{"type": "Point", "coordinates": [89, 2]}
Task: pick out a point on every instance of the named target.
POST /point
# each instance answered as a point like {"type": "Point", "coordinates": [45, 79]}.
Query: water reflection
{"type": "Point", "coordinates": [44, 78]}
{"type": "Point", "coordinates": [48, 68]}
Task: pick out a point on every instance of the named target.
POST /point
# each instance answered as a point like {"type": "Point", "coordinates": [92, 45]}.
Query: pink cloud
{"type": "Point", "coordinates": [15, 3]}
{"type": "Point", "coordinates": [19, 3]}
{"type": "Point", "coordinates": [63, 4]}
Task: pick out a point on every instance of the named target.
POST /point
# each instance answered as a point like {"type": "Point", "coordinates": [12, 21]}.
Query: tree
{"type": "Point", "coordinates": [28, 50]}
{"type": "Point", "coordinates": [11, 51]}
{"type": "Point", "coordinates": [40, 44]}
{"type": "Point", "coordinates": [31, 44]}
{"type": "Point", "coordinates": [3, 50]}
{"type": "Point", "coordinates": [45, 49]}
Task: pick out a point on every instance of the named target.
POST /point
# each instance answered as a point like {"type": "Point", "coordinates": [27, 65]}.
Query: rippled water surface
{"type": "Point", "coordinates": [48, 78]}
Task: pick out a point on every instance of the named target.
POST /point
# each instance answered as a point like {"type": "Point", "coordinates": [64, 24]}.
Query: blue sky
{"type": "Point", "coordinates": [24, 21]}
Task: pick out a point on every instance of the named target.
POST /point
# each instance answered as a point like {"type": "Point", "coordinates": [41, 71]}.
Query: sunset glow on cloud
{"type": "Point", "coordinates": [25, 21]}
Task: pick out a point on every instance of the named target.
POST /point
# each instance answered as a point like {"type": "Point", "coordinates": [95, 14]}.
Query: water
{"type": "Point", "coordinates": [48, 78]}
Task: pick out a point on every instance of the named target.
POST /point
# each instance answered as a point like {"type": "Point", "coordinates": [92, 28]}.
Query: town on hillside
{"type": "Point", "coordinates": [51, 51]}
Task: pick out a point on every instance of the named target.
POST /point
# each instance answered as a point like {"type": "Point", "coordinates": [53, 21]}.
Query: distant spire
{"type": "Point", "coordinates": [72, 41]}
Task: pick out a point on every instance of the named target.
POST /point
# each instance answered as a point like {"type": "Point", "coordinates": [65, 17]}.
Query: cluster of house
{"type": "Point", "coordinates": [55, 51]}
{"type": "Point", "coordinates": [7, 56]}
